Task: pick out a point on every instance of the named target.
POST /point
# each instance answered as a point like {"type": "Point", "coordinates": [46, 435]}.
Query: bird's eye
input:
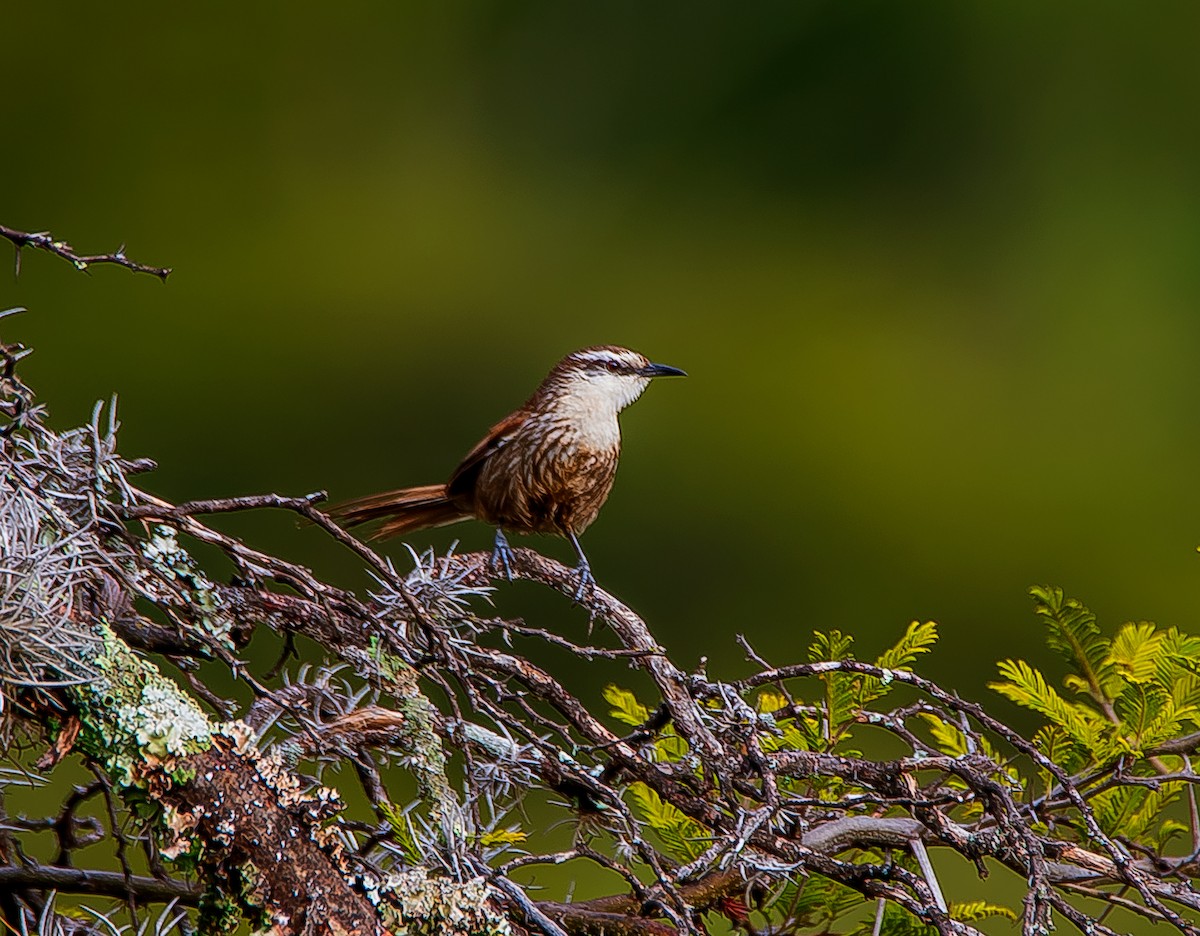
{"type": "Point", "coordinates": [612, 366]}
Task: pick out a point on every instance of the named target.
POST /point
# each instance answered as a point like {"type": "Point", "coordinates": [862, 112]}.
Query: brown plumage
{"type": "Point", "coordinates": [546, 468]}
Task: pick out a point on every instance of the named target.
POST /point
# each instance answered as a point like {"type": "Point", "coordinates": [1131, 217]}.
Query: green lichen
{"type": "Point", "coordinates": [415, 904]}
{"type": "Point", "coordinates": [422, 745]}
{"type": "Point", "coordinates": [132, 714]}
{"type": "Point", "coordinates": [175, 565]}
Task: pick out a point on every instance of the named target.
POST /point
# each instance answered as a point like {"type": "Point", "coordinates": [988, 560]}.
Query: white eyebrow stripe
{"type": "Point", "coordinates": [603, 357]}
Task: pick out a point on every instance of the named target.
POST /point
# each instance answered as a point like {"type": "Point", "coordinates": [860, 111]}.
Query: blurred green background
{"type": "Point", "coordinates": [932, 268]}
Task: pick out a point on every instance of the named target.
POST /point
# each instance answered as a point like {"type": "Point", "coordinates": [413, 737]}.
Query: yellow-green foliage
{"type": "Point", "coordinates": [668, 746]}
{"type": "Point", "coordinates": [847, 694]}
{"type": "Point", "coordinates": [682, 837]}
{"type": "Point", "coordinates": [813, 902]}
{"type": "Point", "coordinates": [403, 832]}
{"type": "Point", "coordinates": [1124, 695]}
{"type": "Point", "coordinates": [899, 922]}
{"type": "Point", "coordinates": [1121, 696]}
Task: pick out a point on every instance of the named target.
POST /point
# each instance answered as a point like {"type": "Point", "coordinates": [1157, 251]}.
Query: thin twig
{"type": "Point", "coordinates": [45, 241]}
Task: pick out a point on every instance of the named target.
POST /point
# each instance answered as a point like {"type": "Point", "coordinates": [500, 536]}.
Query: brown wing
{"type": "Point", "coordinates": [461, 486]}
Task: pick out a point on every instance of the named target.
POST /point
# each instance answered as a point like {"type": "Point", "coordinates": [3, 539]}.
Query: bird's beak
{"type": "Point", "coordinates": [661, 370]}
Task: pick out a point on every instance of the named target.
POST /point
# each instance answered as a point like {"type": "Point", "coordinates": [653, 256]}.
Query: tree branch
{"type": "Point", "coordinates": [46, 242]}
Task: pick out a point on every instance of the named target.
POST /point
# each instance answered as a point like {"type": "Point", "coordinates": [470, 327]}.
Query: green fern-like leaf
{"type": "Point", "coordinates": [1168, 830]}
{"type": "Point", "coordinates": [832, 646]}
{"type": "Point", "coordinates": [1171, 721]}
{"type": "Point", "coordinates": [975, 910]}
{"type": "Point", "coordinates": [770, 700]}
{"type": "Point", "coordinates": [918, 639]}
{"type": "Point", "coordinates": [814, 901]}
{"type": "Point", "coordinates": [1112, 808]}
{"type": "Point", "coordinates": [1145, 709]}
{"type": "Point", "coordinates": [402, 831]}
{"type": "Point", "coordinates": [1072, 632]}
{"type": "Point", "coordinates": [503, 837]}
{"type": "Point", "coordinates": [949, 738]}
{"type": "Point", "coordinates": [1149, 813]}
{"type": "Point", "coordinates": [625, 706]}
{"type": "Point", "coordinates": [896, 922]}
{"type": "Point", "coordinates": [1057, 745]}
{"type": "Point", "coordinates": [1135, 652]}
{"type": "Point", "coordinates": [682, 837]}
{"type": "Point", "coordinates": [669, 747]}
{"type": "Point", "coordinates": [1026, 686]}
{"type": "Point", "coordinates": [791, 738]}
{"type": "Point", "coordinates": [1136, 813]}
{"type": "Point", "coordinates": [899, 922]}
{"type": "Point", "coordinates": [1179, 667]}
{"type": "Point", "coordinates": [840, 695]}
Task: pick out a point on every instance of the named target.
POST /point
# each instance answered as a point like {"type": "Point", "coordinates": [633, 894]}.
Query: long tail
{"type": "Point", "coordinates": [416, 508]}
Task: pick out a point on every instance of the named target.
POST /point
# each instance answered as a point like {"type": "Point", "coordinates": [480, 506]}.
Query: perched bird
{"type": "Point", "coordinates": [547, 468]}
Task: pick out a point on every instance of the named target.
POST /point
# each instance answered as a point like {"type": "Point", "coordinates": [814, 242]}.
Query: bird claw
{"type": "Point", "coordinates": [587, 583]}
{"type": "Point", "coordinates": [502, 555]}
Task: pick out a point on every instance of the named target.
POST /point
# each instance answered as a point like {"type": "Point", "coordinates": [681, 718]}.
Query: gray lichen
{"type": "Point", "coordinates": [170, 565]}
{"type": "Point", "coordinates": [132, 714]}
{"type": "Point", "coordinates": [414, 904]}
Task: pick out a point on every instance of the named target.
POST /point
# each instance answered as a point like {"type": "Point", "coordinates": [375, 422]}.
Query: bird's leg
{"type": "Point", "coordinates": [502, 554]}
{"type": "Point", "coordinates": [586, 581]}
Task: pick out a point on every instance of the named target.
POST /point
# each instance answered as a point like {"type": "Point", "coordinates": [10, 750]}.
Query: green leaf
{"type": "Point", "coordinates": [792, 739]}
{"type": "Point", "coordinates": [1072, 632]}
{"type": "Point", "coordinates": [1179, 667]}
{"type": "Point", "coordinates": [770, 700]}
{"type": "Point", "coordinates": [1145, 708]}
{"type": "Point", "coordinates": [832, 646]}
{"type": "Point", "coordinates": [1027, 687]}
{"type": "Point", "coordinates": [1169, 829]}
{"type": "Point", "coordinates": [1112, 808]}
{"type": "Point", "coordinates": [815, 901]}
{"type": "Point", "coordinates": [949, 738]}
{"type": "Point", "coordinates": [918, 639]}
{"type": "Point", "coordinates": [1135, 652]}
{"type": "Point", "coordinates": [1149, 813]}
{"type": "Point", "coordinates": [625, 706]}
{"type": "Point", "coordinates": [683, 837]}
{"type": "Point", "coordinates": [899, 922]}
{"type": "Point", "coordinates": [975, 910]}
{"type": "Point", "coordinates": [403, 832]}
{"type": "Point", "coordinates": [1057, 745]}
{"type": "Point", "coordinates": [503, 837]}
{"type": "Point", "coordinates": [840, 702]}
{"type": "Point", "coordinates": [669, 747]}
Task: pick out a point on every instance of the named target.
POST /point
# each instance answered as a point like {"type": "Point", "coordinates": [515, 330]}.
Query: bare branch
{"type": "Point", "coordinates": [45, 241]}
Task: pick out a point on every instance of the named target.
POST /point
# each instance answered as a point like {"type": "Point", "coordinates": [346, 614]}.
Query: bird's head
{"type": "Point", "coordinates": [605, 378]}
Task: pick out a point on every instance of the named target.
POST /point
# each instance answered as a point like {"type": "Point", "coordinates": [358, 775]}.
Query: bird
{"type": "Point", "coordinates": [548, 467]}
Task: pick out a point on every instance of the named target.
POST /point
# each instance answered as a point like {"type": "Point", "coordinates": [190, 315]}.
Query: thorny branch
{"type": "Point", "coordinates": [731, 798]}
{"type": "Point", "coordinates": [44, 240]}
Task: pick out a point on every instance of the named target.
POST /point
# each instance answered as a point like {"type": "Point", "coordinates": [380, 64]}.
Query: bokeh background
{"type": "Point", "coordinates": [934, 269]}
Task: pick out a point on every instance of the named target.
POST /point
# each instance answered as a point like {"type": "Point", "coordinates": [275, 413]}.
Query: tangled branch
{"type": "Point", "coordinates": [753, 800]}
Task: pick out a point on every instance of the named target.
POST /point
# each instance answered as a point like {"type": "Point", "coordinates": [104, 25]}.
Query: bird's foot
{"type": "Point", "coordinates": [587, 583]}
{"type": "Point", "coordinates": [502, 555]}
